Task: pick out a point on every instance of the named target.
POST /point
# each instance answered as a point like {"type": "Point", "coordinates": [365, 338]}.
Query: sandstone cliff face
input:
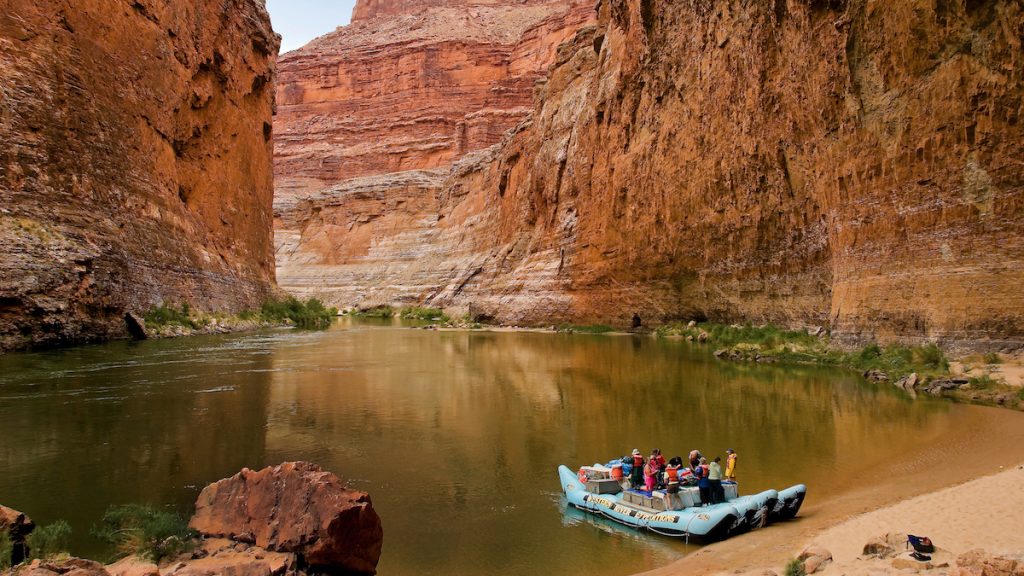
{"type": "Point", "coordinates": [371, 118]}
{"type": "Point", "coordinates": [852, 164]}
{"type": "Point", "coordinates": [136, 166]}
{"type": "Point", "coordinates": [412, 91]}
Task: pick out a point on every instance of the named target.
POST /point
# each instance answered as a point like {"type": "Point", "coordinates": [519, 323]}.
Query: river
{"type": "Point", "coordinates": [456, 435]}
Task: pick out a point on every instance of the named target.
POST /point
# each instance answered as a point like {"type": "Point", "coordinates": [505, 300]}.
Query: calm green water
{"type": "Point", "coordinates": [456, 435]}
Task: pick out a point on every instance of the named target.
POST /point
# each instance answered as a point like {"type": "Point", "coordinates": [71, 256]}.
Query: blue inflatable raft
{"type": "Point", "coordinates": [681, 515]}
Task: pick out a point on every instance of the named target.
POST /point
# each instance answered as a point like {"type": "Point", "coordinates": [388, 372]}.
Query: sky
{"type": "Point", "coordinates": [299, 21]}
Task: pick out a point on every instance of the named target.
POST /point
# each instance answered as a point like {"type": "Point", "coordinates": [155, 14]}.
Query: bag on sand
{"type": "Point", "coordinates": [921, 543]}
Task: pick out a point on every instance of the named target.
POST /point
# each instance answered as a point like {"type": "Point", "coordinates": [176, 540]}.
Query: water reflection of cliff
{"type": "Point", "coordinates": [85, 428]}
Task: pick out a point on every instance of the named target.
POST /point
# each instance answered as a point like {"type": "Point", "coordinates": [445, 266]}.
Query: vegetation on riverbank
{"type": "Point", "coordinates": [913, 368]}
{"type": "Point", "coordinates": [134, 529]}
{"type": "Point", "coordinates": [50, 541]}
{"type": "Point", "coordinates": [383, 311]}
{"type": "Point", "coordinates": [425, 315]}
{"type": "Point", "coordinates": [585, 329]}
{"type": "Point", "coordinates": [169, 320]}
{"type": "Point", "coordinates": [309, 314]}
{"type": "Point", "coordinates": [769, 343]}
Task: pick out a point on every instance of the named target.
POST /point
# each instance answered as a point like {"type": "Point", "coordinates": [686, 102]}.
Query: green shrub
{"type": "Point", "coordinates": [931, 356]}
{"type": "Point", "coordinates": [168, 315]}
{"type": "Point", "coordinates": [589, 329]}
{"type": "Point", "coordinates": [48, 541]}
{"type": "Point", "coordinates": [992, 358]}
{"type": "Point", "coordinates": [795, 568]}
{"type": "Point", "coordinates": [309, 314]}
{"type": "Point", "coordinates": [984, 382]}
{"type": "Point", "coordinates": [425, 314]}
{"type": "Point", "coordinates": [6, 550]}
{"type": "Point", "coordinates": [383, 311]}
{"type": "Point", "coordinates": [144, 531]}
{"type": "Point", "coordinates": [869, 353]}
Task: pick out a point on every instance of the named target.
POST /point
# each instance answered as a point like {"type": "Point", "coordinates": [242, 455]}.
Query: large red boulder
{"type": "Point", "coordinates": [295, 507]}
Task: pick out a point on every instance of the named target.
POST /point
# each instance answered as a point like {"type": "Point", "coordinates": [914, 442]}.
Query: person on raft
{"type": "Point", "coordinates": [636, 475]}
{"type": "Point", "coordinates": [703, 483]}
{"type": "Point", "coordinates": [730, 465]}
{"type": "Point", "coordinates": [695, 457]}
{"type": "Point", "coordinates": [651, 475]}
{"type": "Point", "coordinates": [659, 462]}
{"type": "Point", "coordinates": [715, 481]}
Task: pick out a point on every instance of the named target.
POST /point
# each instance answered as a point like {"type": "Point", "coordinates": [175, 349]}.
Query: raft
{"type": "Point", "coordinates": [681, 515]}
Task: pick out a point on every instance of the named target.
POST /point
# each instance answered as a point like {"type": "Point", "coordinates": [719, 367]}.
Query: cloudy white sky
{"type": "Point", "coordinates": [299, 21]}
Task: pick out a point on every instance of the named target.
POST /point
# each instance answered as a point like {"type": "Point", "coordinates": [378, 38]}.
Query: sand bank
{"type": "Point", "coordinates": [944, 489]}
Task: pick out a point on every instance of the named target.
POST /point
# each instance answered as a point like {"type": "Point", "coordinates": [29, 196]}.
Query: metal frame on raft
{"type": "Point", "coordinates": [712, 522]}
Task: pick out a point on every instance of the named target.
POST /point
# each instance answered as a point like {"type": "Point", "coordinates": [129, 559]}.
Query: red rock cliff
{"type": "Point", "coordinates": [411, 91]}
{"type": "Point", "coordinates": [136, 165]}
{"type": "Point", "coordinates": [851, 164]}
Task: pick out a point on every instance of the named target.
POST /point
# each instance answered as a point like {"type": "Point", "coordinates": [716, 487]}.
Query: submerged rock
{"type": "Point", "coordinates": [296, 507]}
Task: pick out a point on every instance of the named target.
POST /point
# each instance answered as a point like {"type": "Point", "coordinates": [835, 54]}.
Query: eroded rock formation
{"type": "Point", "coordinates": [849, 164]}
{"type": "Point", "coordinates": [136, 165]}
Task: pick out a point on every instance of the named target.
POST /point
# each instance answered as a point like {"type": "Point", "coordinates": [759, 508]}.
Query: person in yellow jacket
{"type": "Point", "coordinates": [730, 465]}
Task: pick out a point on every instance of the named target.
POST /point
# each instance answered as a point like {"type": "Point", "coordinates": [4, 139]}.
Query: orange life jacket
{"type": "Point", "coordinates": [638, 461]}
{"type": "Point", "coordinates": [673, 474]}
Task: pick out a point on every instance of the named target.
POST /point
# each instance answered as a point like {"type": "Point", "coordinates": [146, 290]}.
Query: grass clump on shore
{"type": "Point", "coordinates": [50, 541]}
{"type": "Point", "coordinates": [145, 531]}
{"type": "Point", "coordinates": [309, 314]}
{"type": "Point", "coordinates": [168, 315]}
{"type": "Point", "coordinates": [586, 329]}
{"type": "Point", "coordinates": [899, 360]}
{"type": "Point", "coordinates": [6, 550]}
{"type": "Point", "coordinates": [795, 568]}
{"type": "Point", "coordinates": [382, 311]}
{"type": "Point", "coordinates": [425, 314]}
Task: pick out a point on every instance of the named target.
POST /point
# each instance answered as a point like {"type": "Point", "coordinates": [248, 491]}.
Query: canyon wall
{"type": "Point", "coordinates": [370, 119]}
{"type": "Point", "coordinates": [136, 165]}
{"type": "Point", "coordinates": [852, 164]}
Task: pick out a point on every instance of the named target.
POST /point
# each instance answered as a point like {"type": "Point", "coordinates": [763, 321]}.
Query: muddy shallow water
{"type": "Point", "coordinates": [456, 435]}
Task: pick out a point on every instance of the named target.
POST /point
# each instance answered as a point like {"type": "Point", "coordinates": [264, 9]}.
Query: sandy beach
{"type": "Point", "coordinates": [984, 513]}
{"type": "Point", "coordinates": [965, 491]}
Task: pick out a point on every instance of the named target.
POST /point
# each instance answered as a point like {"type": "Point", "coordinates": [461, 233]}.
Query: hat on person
{"type": "Point", "coordinates": [636, 452]}
{"type": "Point", "coordinates": [729, 450]}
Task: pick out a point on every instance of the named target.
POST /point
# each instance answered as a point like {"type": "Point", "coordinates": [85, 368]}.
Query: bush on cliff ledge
{"type": "Point", "coordinates": [144, 531]}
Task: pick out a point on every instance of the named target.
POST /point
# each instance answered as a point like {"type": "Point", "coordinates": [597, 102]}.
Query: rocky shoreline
{"type": "Point", "coordinates": [294, 519]}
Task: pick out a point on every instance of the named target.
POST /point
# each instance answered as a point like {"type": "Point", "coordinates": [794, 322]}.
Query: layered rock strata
{"type": "Point", "coordinates": [136, 166]}
{"type": "Point", "coordinates": [414, 90]}
{"type": "Point", "coordinates": [848, 164]}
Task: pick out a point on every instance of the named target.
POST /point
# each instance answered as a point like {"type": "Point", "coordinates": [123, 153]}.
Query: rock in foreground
{"type": "Point", "coordinates": [296, 507]}
{"type": "Point", "coordinates": [16, 526]}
